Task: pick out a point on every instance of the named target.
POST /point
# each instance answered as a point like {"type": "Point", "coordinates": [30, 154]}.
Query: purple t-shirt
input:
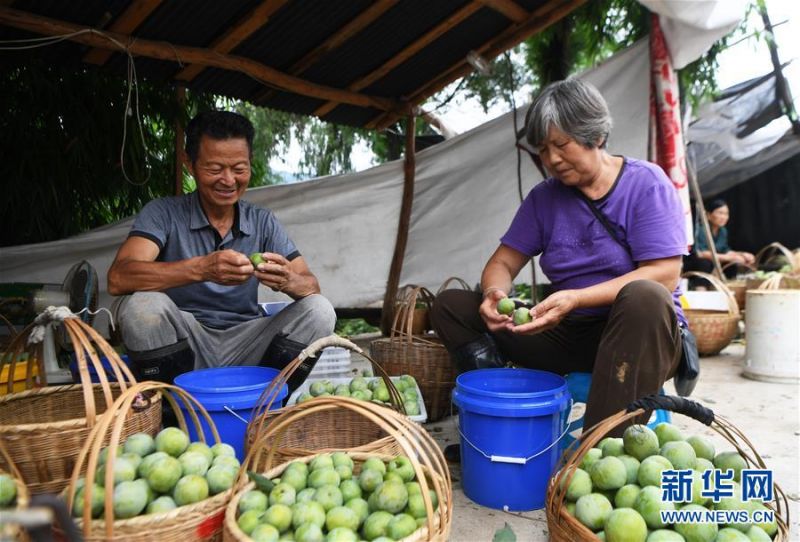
{"type": "Point", "coordinates": [576, 249]}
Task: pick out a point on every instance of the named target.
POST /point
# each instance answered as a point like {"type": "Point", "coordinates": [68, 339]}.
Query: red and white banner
{"type": "Point", "coordinates": [666, 145]}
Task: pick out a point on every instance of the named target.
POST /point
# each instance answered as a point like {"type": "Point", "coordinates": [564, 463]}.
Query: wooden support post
{"type": "Point", "coordinates": [393, 283]}
{"type": "Point", "coordinates": [782, 91]}
{"type": "Point", "coordinates": [694, 184]}
{"type": "Point", "coordinates": [162, 50]}
{"type": "Point", "coordinates": [180, 98]}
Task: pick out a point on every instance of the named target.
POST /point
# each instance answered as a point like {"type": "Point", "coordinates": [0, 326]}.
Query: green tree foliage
{"type": "Point", "coordinates": [587, 36]}
{"type": "Point", "coordinates": [62, 132]}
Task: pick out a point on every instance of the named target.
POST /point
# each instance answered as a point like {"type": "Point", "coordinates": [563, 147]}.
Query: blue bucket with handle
{"type": "Point", "coordinates": [229, 394]}
{"type": "Point", "coordinates": [510, 421]}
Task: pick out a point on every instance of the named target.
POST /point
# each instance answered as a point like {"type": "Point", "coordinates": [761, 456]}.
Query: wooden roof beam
{"type": "Point", "coordinates": [166, 51]}
{"type": "Point", "coordinates": [128, 21]}
{"type": "Point", "coordinates": [359, 23]}
{"type": "Point", "coordinates": [510, 9]}
{"type": "Point", "coordinates": [427, 38]}
{"type": "Point", "coordinates": [236, 34]}
{"type": "Point", "coordinates": [539, 20]}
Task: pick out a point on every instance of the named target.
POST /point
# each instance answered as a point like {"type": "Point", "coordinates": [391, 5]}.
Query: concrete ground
{"type": "Point", "coordinates": [767, 413]}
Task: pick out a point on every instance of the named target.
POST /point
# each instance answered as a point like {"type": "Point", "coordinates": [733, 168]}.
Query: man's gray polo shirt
{"type": "Point", "coordinates": [178, 225]}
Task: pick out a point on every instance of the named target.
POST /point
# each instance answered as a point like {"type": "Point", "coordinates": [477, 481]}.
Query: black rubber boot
{"type": "Point", "coordinates": [280, 352]}
{"type": "Point", "coordinates": [162, 364]}
{"type": "Point", "coordinates": [481, 353]}
{"type": "Point", "coordinates": [452, 453]}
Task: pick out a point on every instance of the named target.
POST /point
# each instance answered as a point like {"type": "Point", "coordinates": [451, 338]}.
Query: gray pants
{"type": "Point", "coordinates": [151, 321]}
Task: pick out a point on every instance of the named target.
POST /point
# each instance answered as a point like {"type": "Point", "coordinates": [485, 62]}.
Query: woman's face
{"type": "Point", "coordinates": [567, 160]}
{"type": "Point", "coordinates": [719, 216]}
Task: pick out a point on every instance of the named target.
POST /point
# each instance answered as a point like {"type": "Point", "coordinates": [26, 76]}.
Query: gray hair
{"type": "Point", "coordinates": [573, 106]}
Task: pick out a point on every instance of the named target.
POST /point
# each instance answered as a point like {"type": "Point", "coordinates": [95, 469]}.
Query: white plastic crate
{"type": "Point", "coordinates": [332, 361]}
{"type": "Point", "coordinates": [422, 417]}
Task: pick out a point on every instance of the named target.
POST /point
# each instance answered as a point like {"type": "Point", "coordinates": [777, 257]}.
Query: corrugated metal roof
{"type": "Point", "coordinates": [294, 29]}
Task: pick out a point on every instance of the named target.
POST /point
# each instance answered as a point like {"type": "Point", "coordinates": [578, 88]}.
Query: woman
{"type": "Point", "coordinates": [615, 312]}
{"type": "Point", "coordinates": [700, 259]}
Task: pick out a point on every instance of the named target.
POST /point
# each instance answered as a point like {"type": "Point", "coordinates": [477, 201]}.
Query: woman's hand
{"type": "Point", "coordinates": [488, 311]}
{"type": "Point", "coordinates": [749, 259]}
{"type": "Point", "coordinates": [549, 313]}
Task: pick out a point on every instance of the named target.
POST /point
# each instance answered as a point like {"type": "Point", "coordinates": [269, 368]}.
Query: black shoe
{"type": "Point", "coordinates": [282, 351]}
{"type": "Point", "coordinates": [480, 353]}
{"type": "Point", "coordinates": [452, 453]}
{"type": "Point", "coordinates": [163, 365]}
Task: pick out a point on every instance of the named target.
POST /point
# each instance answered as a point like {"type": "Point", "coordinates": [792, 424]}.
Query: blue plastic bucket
{"type": "Point", "coordinates": [76, 376]}
{"type": "Point", "coordinates": [510, 423]}
{"type": "Point", "coordinates": [229, 395]}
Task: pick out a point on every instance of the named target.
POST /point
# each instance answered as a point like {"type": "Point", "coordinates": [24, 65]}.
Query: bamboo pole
{"type": "Point", "coordinates": [192, 55]}
{"type": "Point", "coordinates": [701, 214]}
{"type": "Point", "coordinates": [393, 282]}
{"type": "Point", "coordinates": [180, 97]}
{"type": "Point", "coordinates": [341, 36]}
{"type": "Point", "coordinates": [127, 21]}
{"type": "Point", "coordinates": [508, 8]}
{"type": "Point", "coordinates": [782, 91]}
{"type": "Point", "coordinates": [236, 34]}
{"type": "Point", "coordinates": [426, 39]}
{"type": "Point", "coordinates": [540, 19]}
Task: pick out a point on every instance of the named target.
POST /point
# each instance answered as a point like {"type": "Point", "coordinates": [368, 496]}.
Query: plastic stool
{"type": "Point", "coordinates": [578, 384]}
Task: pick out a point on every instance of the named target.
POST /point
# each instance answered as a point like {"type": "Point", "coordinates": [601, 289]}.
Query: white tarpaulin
{"type": "Point", "coordinates": [345, 226]}
{"type": "Point", "coordinates": [692, 26]}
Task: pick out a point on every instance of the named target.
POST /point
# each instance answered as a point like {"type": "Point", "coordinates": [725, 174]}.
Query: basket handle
{"type": "Point", "coordinates": [270, 393]}
{"type": "Point", "coordinates": [403, 321]}
{"type": "Point", "coordinates": [672, 403]}
{"type": "Point", "coordinates": [733, 306]}
{"type": "Point", "coordinates": [772, 283]}
{"type": "Point", "coordinates": [461, 282]}
{"type": "Point", "coordinates": [113, 421]}
{"type": "Point", "coordinates": [747, 266]}
{"type": "Point", "coordinates": [572, 457]}
{"type": "Point", "coordinates": [770, 248]}
{"type": "Point", "coordinates": [412, 438]}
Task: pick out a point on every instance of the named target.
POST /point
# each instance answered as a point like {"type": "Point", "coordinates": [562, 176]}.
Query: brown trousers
{"type": "Point", "coordinates": [630, 353]}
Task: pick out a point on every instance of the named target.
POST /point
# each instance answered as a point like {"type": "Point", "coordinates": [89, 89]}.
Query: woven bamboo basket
{"type": "Point", "coordinates": [564, 527]}
{"type": "Point", "coordinates": [8, 530]}
{"type": "Point", "coordinates": [772, 253]}
{"type": "Point", "coordinates": [714, 330]}
{"type": "Point", "coordinates": [45, 428]}
{"type": "Point", "coordinates": [423, 357]}
{"type": "Point", "coordinates": [738, 287]}
{"type": "Point", "coordinates": [201, 521]}
{"type": "Point", "coordinates": [409, 438]}
{"type": "Point", "coordinates": [325, 430]}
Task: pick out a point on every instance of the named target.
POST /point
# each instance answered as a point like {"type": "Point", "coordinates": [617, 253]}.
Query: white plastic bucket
{"type": "Point", "coordinates": [773, 336]}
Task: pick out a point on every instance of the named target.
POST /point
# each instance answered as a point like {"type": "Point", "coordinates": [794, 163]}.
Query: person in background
{"type": "Point", "coordinates": [615, 310]}
{"type": "Point", "coordinates": [189, 288]}
{"type": "Point", "coordinates": [718, 215]}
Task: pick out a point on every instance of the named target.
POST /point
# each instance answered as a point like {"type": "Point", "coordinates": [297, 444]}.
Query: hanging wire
{"type": "Point", "coordinates": [132, 81]}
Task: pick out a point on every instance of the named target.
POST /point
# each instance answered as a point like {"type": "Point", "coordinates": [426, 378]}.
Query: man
{"type": "Point", "coordinates": [190, 290]}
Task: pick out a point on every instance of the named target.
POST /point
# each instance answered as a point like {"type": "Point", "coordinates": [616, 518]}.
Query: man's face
{"type": "Point", "coordinates": [222, 171]}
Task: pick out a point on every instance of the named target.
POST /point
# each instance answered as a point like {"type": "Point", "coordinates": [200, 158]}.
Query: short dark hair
{"type": "Point", "coordinates": [714, 204]}
{"type": "Point", "coordinates": [218, 125]}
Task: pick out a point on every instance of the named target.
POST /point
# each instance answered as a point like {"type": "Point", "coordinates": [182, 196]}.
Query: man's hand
{"type": "Point", "coordinates": [547, 314]}
{"type": "Point", "coordinates": [275, 272]}
{"type": "Point", "coordinates": [227, 267]}
{"type": "Point", "coordinates": [488, 311]}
